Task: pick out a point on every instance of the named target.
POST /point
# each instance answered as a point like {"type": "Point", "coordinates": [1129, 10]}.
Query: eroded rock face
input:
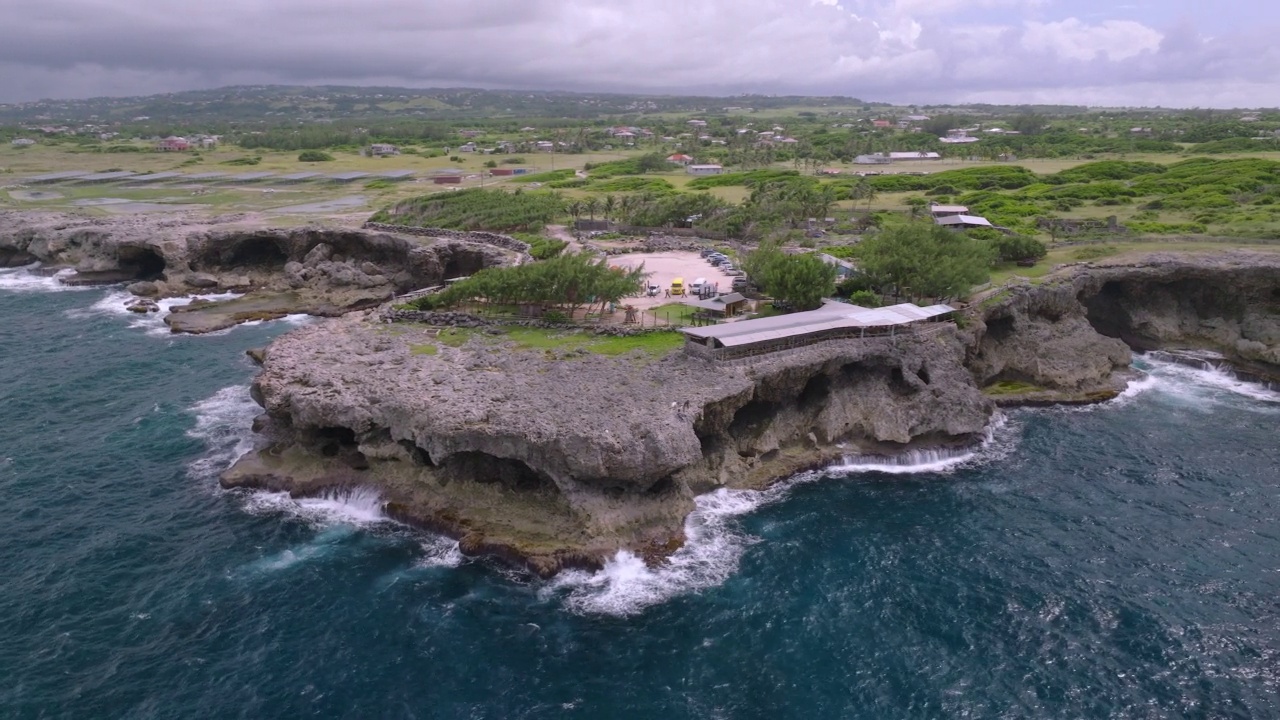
{"type": "Point", "coordinates": [312, 270]}
{"type": "Point", "coordinates": [562, 459]}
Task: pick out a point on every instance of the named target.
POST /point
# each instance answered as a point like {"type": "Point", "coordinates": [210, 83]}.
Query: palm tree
{"type": "Point", "coordinates": [593, 205]}
{"type": "Point", "coordinates": [575, 209]}
{"type": "Point", "coordinates": [610, 204]}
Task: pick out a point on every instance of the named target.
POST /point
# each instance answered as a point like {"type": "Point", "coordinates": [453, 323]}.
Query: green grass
{"type": "Point", "coordinates": [1011, 387]}
{"type": "Point", "coordinates": [455, 337]}
{"type": "Point", "coordinates": [1093, 252]}
{"type": "Point", "coordinates": [674, 311]}
{"type": "Point", "coordinates": [658, 343]}
{"type": "Point", "coordinates": [426, 349]}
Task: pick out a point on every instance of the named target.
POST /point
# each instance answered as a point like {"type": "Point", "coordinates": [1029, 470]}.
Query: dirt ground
{"type": "Point", "coordinates": [665, 267]}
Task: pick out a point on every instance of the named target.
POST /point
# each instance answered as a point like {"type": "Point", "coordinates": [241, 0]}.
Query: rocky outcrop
{"type": "Point", "coordinates": [314, 270]}
{"type": "Point", "coordinates": [483, 441]}
{"type": "Point", "coordinates": [1069, 338]}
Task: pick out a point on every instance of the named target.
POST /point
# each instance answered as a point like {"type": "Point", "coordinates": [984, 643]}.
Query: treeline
{"type": "Point", "coordinates": [477, 209]}
{"type": "Point", "coordinates": [567, 282]}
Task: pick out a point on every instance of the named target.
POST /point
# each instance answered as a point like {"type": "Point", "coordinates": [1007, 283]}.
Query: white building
{"type": "Point", "coordinates": [704, 169]}
{"type": "Point", "coordinates": [23, 142]}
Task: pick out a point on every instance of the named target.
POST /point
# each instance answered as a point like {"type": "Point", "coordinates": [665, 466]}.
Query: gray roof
{"type": "Point", "coordinates": [719, 302]}
{"type": "Point", "coordinates": [343, 177]}
{"type": "Point", "coordinates": [51, 177]}
{"type": "Point", "coordinates": [249, 177]}
{"type": "Point", "coordinates": [396, 174]}
{"type": "Point", "coordinates": [98, 177]}
{"type": "Point", "coordinates": [206, 176]}
{"type": "Point", "coordinates": [963, 220]}
{"type": "Point", "coordinates": [157, 176]}
{"type": "Point", "coordinates": [299, 176]}
{"type": "Point", "coordinates": [831, 316]}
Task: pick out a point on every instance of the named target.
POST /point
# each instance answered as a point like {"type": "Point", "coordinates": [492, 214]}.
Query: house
{"type": "Point", "coordinates": [502, 172]}
{"type": "Point", "coordinates": [881, 124]}
{"type": "Point", "coordinates": [447, 180]}
{"type": "Point", "coordinates": [23, 142]}
{"type": "Point", "coordinates": [380, 149]}
{"type": "Point", "coordinates": [698, 123]}
{"type": "Point", "coordinates": [963, 222]}
{"type": "Point", "coordinates": [913, 156]}
{"type": "Point", "coordinates": [704, 169]}
{"type": "Point", "coordinates": [468, 148]}
{"type": "Point", "coordinates": [880, 159]}
{"type": "Point", "coordinates": [940, 211]}
{"type": "Point", "coordinates": [726, 305]}
{"type": "Point", "coordinates": [173, 144]}
{"type": "Point", "coordinates": [844, 268]}
{"type": "Point", "coordinates": [958, 137]}
{"type": "Point", "coordinates": [679, 159]}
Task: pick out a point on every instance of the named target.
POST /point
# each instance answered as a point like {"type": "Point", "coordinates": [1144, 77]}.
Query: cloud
{"type": "Point", "coordinates": [900, 50]}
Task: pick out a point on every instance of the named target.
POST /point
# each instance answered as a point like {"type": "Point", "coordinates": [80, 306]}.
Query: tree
{"type": "Point", "coordinates": [801, 281]}
{"type": "Point", "coordinates": [925, 260]}
{"type": "Point", "coordinates": [610, 204]}
{"type": "Point", "coordinates": [1016, 248]}
{"type": "Point", "coordinates": [592, 206]}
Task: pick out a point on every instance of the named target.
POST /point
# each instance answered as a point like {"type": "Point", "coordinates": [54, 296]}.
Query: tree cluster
{"type": "Point", "coordinates": [801, 281]}
{"type": "Point", "coordinates": [567, 282]}
{"type": "Point", "coordinates": [925, 260]}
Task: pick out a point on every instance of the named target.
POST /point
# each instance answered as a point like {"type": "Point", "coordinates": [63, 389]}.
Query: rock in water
{"type": "Point", "coordinates": [142, 306]}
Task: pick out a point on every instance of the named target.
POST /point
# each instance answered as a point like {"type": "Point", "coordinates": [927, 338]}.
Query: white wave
{"type": "Point", "coordinates": [714, 543]}
{"type": "Point", "coordinates": [933, 460]}
{"type": "Point", "coordinates": [359, 507]}
{"type": "Point", "coordinates": [439, 551]}
{"type": "Point", "coordinates": [28, 279]}
{"type": "Point", "coordinates": [224, 422]}
{"type": "Point", "coordinates": [1204, 386]}
{"type": "Point", "coordinates": [114, 304]}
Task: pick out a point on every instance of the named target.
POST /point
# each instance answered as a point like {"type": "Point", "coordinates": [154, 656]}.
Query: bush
{"type": "Point", "coordinates": [477, 209]}
{"type": "Point", "coordinates": [1017, 248]}
{"type": "Point", "coordinates": [491, 164]}
{"type": "Point", "coordinates": [248, 161]}
{"type": "Point", "coordinates": [513, 161]}
{"type": "Point", "coordinates": [314, 156]}
{"type": "Point", "coordinates": [865, 298]}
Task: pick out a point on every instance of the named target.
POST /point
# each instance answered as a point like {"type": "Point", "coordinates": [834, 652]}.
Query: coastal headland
{"type": "Point", "coordinates": [555, 448]}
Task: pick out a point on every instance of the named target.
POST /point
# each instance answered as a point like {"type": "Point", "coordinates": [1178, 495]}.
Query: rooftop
{"type": "Point", "coordinates": [831, 316]}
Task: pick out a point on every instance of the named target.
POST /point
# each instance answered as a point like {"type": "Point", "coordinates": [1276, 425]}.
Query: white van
{"type": "Point", "coordinates": [697, 286]}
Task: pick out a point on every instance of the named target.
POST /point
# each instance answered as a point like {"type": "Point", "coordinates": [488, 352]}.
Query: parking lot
{"type": "Point", "coordinates": [667, 266]}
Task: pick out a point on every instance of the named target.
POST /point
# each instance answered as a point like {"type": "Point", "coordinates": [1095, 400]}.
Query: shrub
{"type": "Point", "coordinates": [247, 161]}
{"type": "Point", "coordinates": [476, 209]}
{"type": "Point", "coordinates": [513, 161]}
{"type": "Point", "coordinates": [865, 298]}
{"type": "Point", "coordinates": [1017, 248]}
{"type": "Point", "coordinates": [314, 156]}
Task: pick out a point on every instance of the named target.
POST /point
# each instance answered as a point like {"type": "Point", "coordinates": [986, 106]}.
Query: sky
{"type": "Point", "coordinates": [1172, 53]}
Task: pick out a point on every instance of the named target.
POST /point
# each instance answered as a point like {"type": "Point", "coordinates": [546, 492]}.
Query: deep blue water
{"type": "Point", "coordinates": [1112, 563]}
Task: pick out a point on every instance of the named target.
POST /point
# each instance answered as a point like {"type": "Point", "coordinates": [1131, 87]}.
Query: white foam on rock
{"type": "Point", "coordinates": [1206, 385]}
{"type": "Point", "coordinates": [359, 506]}
{"type": "Point", "coordinates": [715, 543]}
{"type": "Point", "coordinates": [224, 422]}
{"type": "Point", "coordinates": [28, 279]}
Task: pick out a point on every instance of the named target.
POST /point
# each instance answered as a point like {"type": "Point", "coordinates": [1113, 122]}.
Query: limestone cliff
{"type": "Point", "coordinates": [564, 457]}
{"type": "Point", "coordinates": [317, 270]}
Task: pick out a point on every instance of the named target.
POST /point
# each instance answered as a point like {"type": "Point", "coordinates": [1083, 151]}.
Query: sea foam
{"type": "Point", "coordinates": [28, 279]}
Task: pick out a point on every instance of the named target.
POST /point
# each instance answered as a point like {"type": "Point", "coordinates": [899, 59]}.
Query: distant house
{"type": "Point", "coordinates": [447, 180]}
{"type": "Point", "coordinates": [380, 149]}
{"type": "Point", "coordinates": [913, 156]}
{"type": "Point", "coordinates": [173, 144]}
{"type": "Point", "coordinates": [872, 160]}
{"type": "Point", "coordinates": [467, 148]}
{"type": "Point", "coordinates": [698, 123]}
{"type": "Point", "coordinates": [941, 211]}
{"type": "Point", "coordinates": [545, 145]}
{"type": "Point", "coordinates": [23, 142]}
{"type": "Point", "coordinates": [963, 222]}
{"type": "Point", "coordinates": [881, 123]}
{"type": "Point", "coordinates": [502, 172]}
{"type": "Point", "coordinates": [844, 268]}
{"type": "Point", "coordinates": [955, 137]}
{"type": "Point", "coordinates": [726, 305]}
{"type": "Point", "coordinates": [704, 169]}
{"type": "Point", "coordinates": [679, 159]}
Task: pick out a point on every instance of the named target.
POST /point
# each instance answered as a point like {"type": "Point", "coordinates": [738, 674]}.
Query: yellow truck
{"type": "Point", "coordinates": [677, 286]}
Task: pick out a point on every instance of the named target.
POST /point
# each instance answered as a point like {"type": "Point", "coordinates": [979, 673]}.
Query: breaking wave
{"type": "Point", "coordinates": [113, 304]}
{"type": "Point", "coordinates": [715, 543]}
{"type": "Point", "coordinates": [224, 423]}
{"type": "Point", "coordinates": [29, 279]}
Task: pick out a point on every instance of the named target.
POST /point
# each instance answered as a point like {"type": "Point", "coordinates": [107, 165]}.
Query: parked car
{"type": "Point", "coordinates": [740, 282]}
{"type": "Point", "coordinates": [654, 290]}
{"type": "Point", "coordinates": [704, 252]}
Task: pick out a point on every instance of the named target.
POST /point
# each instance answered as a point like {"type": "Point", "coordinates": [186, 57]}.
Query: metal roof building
{"type": "Point", "coordinates": [348, 176]}
{"type": "Point", "coordinates": [207, 176]}
{"type": "Point", "coordinates": [249, 177]}
{"type": "Point", "coordinates": [153, 177]}
{"type": "Point", "coordinates": [396, 174]}
{"type": "Point", "coordinates": [963, 221]}
{"type": "Point", "coordinates": [57, 176]}
{"type": "Point", "coordinates": [832, 321]}
{"type": "Point", "coordinates": [105, 176]}
{"type": "Point", "coordinates": [298, 177]}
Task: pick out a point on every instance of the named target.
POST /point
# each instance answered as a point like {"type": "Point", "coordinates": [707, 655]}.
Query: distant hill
{"type": "Point", "coordinates": [312, 104]}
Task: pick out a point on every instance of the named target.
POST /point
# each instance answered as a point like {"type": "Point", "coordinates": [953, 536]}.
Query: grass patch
{"type": "Point", "coordinates": [426, 349]}
{"type": "Point", "coordinates": [1011, 387]}
{"type": "Point", "coordinates": [674, 311]}
{"type": "Point", "coordinates": [1093, 252]}
{"type": "Point", "coordinates": [658, 343]}
{"type": "Point", "coordinates": [454, 337]}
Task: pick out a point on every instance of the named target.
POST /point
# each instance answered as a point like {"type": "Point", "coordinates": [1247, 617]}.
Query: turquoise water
{"type": "Point", "coordinates": [1118, 562]}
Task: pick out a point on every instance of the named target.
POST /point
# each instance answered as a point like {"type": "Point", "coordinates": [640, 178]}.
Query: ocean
{"type": "Point", "coordinates": [1117, 561]}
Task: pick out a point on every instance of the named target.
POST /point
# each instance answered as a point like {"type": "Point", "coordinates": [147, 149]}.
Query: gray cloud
{"type": "Point", "coordinates": [902, 50]}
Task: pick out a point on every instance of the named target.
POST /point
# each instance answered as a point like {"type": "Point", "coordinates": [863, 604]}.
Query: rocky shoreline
{"type": "Point", "coordinates": [559, 458]}
{"type": "Point", "coordinates": [315, 270]}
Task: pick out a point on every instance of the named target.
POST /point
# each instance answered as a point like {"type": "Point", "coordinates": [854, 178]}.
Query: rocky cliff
{"type": "Point", "coordinates": [560, 457]}
{"type": "Point", "coordinates": [316, 270]}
